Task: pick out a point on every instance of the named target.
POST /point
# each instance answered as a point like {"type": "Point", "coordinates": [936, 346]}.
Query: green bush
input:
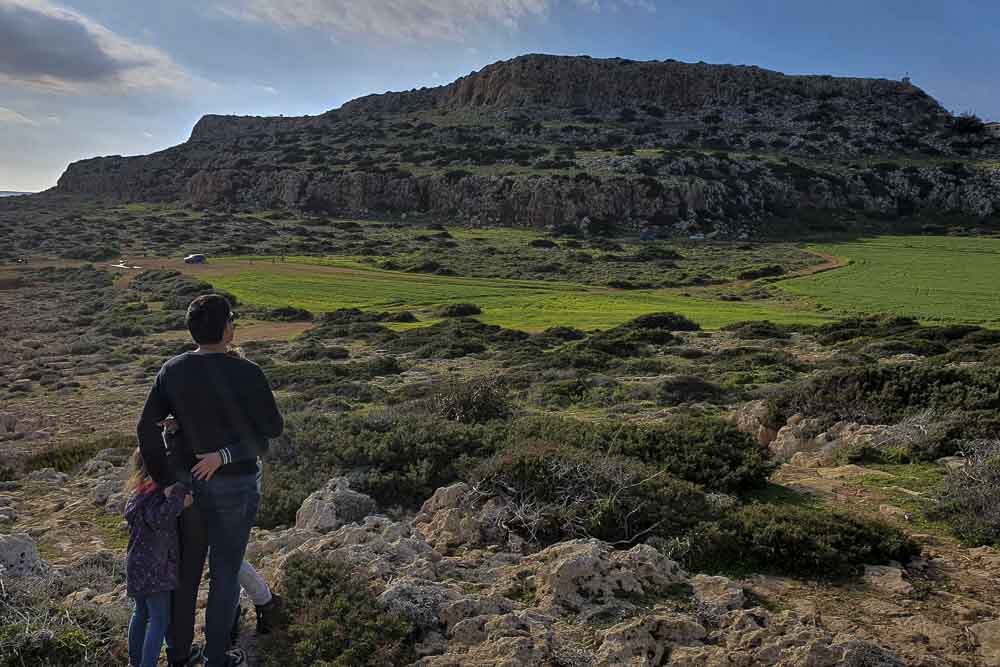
{"type": "Point", "coordinates": [886, 393]}
{"type": "Point", "coordinates": [563, 492]}
{"type": "Point", "coordinates": [334, 620]}
{"type": "Point", "coordinates": [67, 458]}
{"type": "Point", "coordinates": [704, 450]}
{"type": "Point", "coordinates": [458, 310]}
{"type": "Point", "coordinates": [686, 388]}
{"type": "Point", "coordinates": [399, 459]}
{"type": "Point", "coordinates": [796, 540]}
{"type": "Point", "coordinates": [970, 498]}
{"type": "Point", "coordinates": [473, 401]}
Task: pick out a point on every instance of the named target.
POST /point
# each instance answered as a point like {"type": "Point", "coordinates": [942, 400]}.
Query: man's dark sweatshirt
{"type": "Point", "coordinates": [223, 404]}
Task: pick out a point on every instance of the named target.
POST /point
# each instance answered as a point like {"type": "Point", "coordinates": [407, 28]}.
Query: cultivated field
{"type": "Point", "coordinates": [528, 305]}
{"type": "Point", "coordinates": [931, 278]}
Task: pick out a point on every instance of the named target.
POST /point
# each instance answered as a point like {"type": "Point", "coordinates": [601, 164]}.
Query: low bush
{"type": "Point", "coordinates": [458, 310]}
{"type": "Point", "coordinates": [763, 330]}
{"type": "Point", "coordinates": [796, 540]}
{"type": "Point", "coordinates": [704, 450]}
{"type": "Point", "coordinates": [399, 459]}
{"type": "Point", "coordinates": [887, 393]}
{"type": "Point", "coordinates": [333, 619]}
{"type": "Point", "coordinates": [67, 458]}
{"type": "Point", "coordinates": [554, 492]}
{"type": "Point", "coordinates": [473, 401]}
{"type": "Point", "coordinates": [314, 351]}
{"type": "Point", "coordinates": [686, 388]}
{"type": "Point", "coordinates": [970, 498]}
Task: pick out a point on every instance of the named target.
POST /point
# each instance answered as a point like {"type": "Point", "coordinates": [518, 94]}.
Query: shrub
{"type": "Point", "coordinates": [970, 499]}
{"type": "Point", "coordinates": [333, 619]}
{"type": "Point", "coordinates": [887, 393]}
{"type": "Point", "coordinates": [399, 459]}
{"type": "Point", "coordinates": [686, 388]}
{"type": "Point", "coordinates": [67, 458]}
{"type": "Point", "coordinates": [458, 310]}
{"type": "Point", "coordinates": [555, 492]}
{"type": "Point", "coordinates": [704, 450]}
{"type": "Point", "coordinates": [968, 123]}
{"type": "Point", "coordinates": [763, 330]}
{"type": "Point", "coordinates": [768, 271]}
{"type": "Point", "coordinates": [288, 314]}
{"type": "Point", "coordinates": [314, 351]}
{"type": "Point", "coordinates": [796, 540]}
{"type": "Point", "coordinates": [473, 401]}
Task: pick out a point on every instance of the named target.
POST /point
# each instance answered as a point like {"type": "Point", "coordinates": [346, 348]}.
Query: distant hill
{"type": "Point", "coordinates": [557, 141]}
{"type": "Point", "coordinates": [11, 193]}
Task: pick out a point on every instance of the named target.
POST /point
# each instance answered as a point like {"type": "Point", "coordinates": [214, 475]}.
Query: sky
{"type": "Point", "coordinates": [81, 78]}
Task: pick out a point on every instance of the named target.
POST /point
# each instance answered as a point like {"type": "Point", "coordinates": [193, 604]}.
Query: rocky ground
{"type": "Point", "coordinates": [479, 599]}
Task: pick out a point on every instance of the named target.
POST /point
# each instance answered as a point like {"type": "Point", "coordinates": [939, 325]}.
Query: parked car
{"type": "Point", "coordinates": [195, 259]}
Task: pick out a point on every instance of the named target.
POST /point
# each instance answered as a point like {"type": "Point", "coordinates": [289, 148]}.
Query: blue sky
{"type": "Point", "coordinates": [100, 77]}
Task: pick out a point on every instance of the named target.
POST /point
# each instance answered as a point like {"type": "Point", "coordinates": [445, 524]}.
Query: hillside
{"type": "Point", "coordinates": [551, 141]}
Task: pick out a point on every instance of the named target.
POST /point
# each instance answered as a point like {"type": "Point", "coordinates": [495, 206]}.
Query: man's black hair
{"type": "Point", "coordinates": [207, 317]}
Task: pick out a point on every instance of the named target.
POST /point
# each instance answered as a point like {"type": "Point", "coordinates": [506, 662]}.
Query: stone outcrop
{"type": "Point", "coordinates": [334, 506]}
{"type": "Point", "coordinates": [19, 556]}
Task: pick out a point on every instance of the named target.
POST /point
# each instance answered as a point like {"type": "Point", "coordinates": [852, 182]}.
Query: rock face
{"type": "Point", "coordinates": [333, 506]}
{"type": "Point", "coordinates": [262, 162]}
{"type": "Point", "coordinates": [19, 556]}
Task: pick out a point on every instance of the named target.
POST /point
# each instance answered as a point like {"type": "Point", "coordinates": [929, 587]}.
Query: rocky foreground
{"type": "Point", "coordinates": [479, 597]}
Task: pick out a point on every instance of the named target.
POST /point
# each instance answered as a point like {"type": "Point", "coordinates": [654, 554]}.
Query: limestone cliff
{"type": "Point", "coordinates": [548, 141]}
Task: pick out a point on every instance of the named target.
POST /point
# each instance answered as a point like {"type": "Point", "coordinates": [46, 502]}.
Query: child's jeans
{"type": "Point", "coordinates": [148, 628]}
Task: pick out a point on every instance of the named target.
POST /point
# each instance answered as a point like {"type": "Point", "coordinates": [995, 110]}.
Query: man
{"type": "Point", "coordinates": [226, 413]}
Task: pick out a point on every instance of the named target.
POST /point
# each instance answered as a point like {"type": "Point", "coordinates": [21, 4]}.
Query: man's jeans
{"type": "Point", "coordinates": [225, 510]}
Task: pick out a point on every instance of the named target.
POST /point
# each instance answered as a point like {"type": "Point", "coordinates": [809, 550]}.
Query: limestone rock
{"type": "Point", "coordinates": [19, 556]}
{"type": "Point", "coordinates": [333, 506]}
{"type": "Point", "coordinates": [987, 636]}
{"type": "Point", "coordinates": [582, 573]}
{"type": "Point", "coordinates": [887, 578]}
{"type": "Point", "coordinates": [47, 475]}
{"type": "Point", "coordinates": [647, 640]}
{"type": "Point", "coordinates": [717, 592]}
{"type": "Point", "coordinates": [419, 600]}
{"type": "Point", "coordinates": [751, 418]}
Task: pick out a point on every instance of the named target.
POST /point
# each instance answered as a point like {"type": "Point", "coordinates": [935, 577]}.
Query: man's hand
{"type": "Point", "coordinates": [188, 499]}
{"type": "Point", "coordinates": [207, 465]}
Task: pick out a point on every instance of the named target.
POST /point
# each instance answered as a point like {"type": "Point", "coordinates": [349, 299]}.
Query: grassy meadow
{"type": "Point", "coordinates": [324, 285]}
{"type": "Point", "coordinates": [931, 278]}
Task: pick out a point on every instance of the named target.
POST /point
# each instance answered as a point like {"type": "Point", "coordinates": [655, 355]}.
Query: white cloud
{"type": "Point", "coordinates": [148, 135]}
{"type": "Point", "coordinates": [47, 46]}
{"type": "Point", "coordinates": [269, 90]}
{"type": "Point", "coordinates": [11, 116]}
{"type": "Point", "coordinates": [393, 19]}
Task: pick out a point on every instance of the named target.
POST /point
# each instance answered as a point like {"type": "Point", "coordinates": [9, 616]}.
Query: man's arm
{"type": "Point", "coordinates": [266, 422]}
{"type": "Point", "coordinates": [154, 454]}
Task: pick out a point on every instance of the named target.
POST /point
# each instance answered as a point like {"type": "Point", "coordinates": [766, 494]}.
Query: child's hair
{"type": "Point", "coordinates": [138, 476]}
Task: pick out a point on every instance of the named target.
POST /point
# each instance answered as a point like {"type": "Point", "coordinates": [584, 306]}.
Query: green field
{"type": "Point", "coordinates": [949, 279]}
{"type": "Point", "coordinates": [931, 278]}
{"type": "Point", "coordinates": [325, 285]}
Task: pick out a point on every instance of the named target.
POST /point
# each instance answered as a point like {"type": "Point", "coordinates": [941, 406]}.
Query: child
{"type": "Point", "coordinates": [152, 562]}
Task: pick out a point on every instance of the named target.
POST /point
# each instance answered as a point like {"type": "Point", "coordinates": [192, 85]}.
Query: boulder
{"type": "Point", "coordinates": [717, 592]}
{"type": "Point", "coordinates": [334, 506]}
{"type": "Point", "coordinates": [579, 574]}
{"type": "Point", "coordinates": [887, 578]}
{"type": "Point", "coordinates": [987, 637]}
{"type": "Point", "coordinates": [48, 476]}
{"type": "Point", "coordinates": [751, 418]}
{"type": "Point", "coordinates": [19, 556]}
{"type": "Point", "coordinates": [419, 600]}
{"type": "Point", "coordinates": [647, 640]}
